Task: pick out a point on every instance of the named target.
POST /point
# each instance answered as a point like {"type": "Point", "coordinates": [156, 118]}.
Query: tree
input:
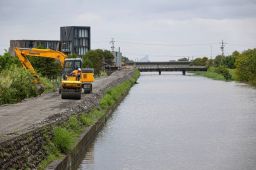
{"type": "Point", "coordinates": [246, 66]}
{"type": "Point", "coordinates": [48, 67]}
{"type": "Point", "coordinates": [229, 61]}
{"type": "Point", "coordinates": [200, 61]}
{"type": "Point", "coordinates": [109, 57]}
{"type": "Point", "coordinates": [7, 60]}
{"type": "Point", "coordinates": [97, 59]}
{"type": "Point", "coordinates": [218, 61]}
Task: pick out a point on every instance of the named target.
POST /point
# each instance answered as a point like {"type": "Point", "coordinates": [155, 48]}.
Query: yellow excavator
{"type": "Point", "coordinates": [71, 85]}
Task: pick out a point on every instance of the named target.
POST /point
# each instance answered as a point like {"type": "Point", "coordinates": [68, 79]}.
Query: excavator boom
{"type": "Point", "coordinates": [34, 52]}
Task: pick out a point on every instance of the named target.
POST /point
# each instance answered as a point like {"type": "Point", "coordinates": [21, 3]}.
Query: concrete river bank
{"type": "Point", "coordinates": [179, 122]}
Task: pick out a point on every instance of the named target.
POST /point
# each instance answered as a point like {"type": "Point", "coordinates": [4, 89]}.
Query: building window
{"type": "Point", "coordinates": [76, 33]}
{"type": "Point", "coordinates": [85, 33]}
{"type": "Point", "coordinates": [80, 33]}
{"type": "Point", "coordinates": [76, 42]}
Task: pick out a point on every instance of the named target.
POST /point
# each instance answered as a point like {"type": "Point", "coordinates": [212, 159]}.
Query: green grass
{"type": "Point", "coordinates": [213, 74]}
{"type": "Point", "coordinates": [65, 135]}
{"type": "Point", "coordinates": [90, 118]}
{"type": "Point", "coordinates": [233, 74]}
{"type": "Point", "coordinates": [63, 139]}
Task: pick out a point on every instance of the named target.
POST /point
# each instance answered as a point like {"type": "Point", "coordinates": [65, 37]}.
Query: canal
{"type": "Point", "coordinates": [179, 122]}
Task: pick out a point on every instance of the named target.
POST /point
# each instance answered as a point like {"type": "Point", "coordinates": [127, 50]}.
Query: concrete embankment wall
{"type": "Point", "coordinates": [75, 157]}
{"type": "Point", "coordinates": [28, 150]}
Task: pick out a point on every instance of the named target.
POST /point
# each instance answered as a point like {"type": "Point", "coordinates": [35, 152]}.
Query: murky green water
{"type": "Point", "coordinates": [175, 122]}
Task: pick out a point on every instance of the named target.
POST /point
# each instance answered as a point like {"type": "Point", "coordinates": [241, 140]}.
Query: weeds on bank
{"type": "Point", "coordinates": [218, 73]}
{"type": "Point", "coordinates": [64, 136]}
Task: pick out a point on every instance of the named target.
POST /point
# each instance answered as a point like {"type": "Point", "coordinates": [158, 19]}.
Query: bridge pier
{"type": "Point", "coordinates": [159, 72]}
{"type": "Point", "coordinates": [183, 72]}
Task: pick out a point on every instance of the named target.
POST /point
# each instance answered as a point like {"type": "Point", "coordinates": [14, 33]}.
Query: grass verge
{"type": "Point", "coordinates": [66, 135]}
{"type": "Point", "coordinates": [218, 74]}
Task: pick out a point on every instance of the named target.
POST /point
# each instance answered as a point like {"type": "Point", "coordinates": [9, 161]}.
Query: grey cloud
{"type": "Point", "coordinates": [170, 21]}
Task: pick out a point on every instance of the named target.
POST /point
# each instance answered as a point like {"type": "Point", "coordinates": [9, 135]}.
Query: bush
{"type": "Point", "coordinates": [86, 120]}
{"type": "Point", "coordinates": [74, 124]}
{"type": "Point", "coordinates": [16, 85]}
{"type": "Point", "coordinates": [63, 139]}
{"type": "Point", "coordinates": [7, 61]}
{"type": "Point", "coordinates": [106, 101]}
{"type": "Point", "coordinates": [223, 71]}
{"type": "Point", "coordinates": [246, 66]}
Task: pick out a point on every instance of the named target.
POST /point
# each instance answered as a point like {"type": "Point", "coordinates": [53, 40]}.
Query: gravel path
{"type": "Point", "coordinates": [16, 119]}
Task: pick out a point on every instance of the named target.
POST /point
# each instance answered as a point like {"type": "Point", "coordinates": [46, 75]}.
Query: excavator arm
{"type": "Point", "coordinates": [34, 52]}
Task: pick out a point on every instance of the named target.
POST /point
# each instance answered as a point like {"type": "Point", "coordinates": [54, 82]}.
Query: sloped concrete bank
{"type": "Point", "coordinates": [27, 149]}
{"type": "Point", "coordinates": [72, 160]}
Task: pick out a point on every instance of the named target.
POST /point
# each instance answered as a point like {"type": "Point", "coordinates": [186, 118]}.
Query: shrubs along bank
{"type": "Point", "coordinates": [238, 66]}
{"type": "Point", "coordinates": [66, 135]}
{"type": "Point", "coordinates": [218, 73]}
{"type": "Point", "coordinates": [16, 82]}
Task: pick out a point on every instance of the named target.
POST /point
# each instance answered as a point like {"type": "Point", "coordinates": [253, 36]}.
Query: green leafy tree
{"type": "Point", "coordinates": [108, 57]}
{"type": "Point", "coordinates": [200, 61]}
{"type": "Point", "coordinates": [48, 67]}
{"type": "Point", "coordinates": [218, 61]}
{"type": "Point", "coordinates": [97, 59]}
{"type": "Point", "coordinates": [246, 66]}
{"type": "Point", "coordinates": [7, 60]}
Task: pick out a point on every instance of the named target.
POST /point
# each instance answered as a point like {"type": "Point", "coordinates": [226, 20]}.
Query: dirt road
{"type": "Point", "coordinates": [19, 118]}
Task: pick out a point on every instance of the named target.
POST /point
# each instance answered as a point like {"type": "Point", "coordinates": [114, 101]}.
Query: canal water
{"type": "Point", "coordinates": [175, 122]}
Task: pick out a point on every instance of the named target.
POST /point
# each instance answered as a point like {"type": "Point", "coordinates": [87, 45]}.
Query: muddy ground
{"type": "Point", "coordinates": [16, 119]}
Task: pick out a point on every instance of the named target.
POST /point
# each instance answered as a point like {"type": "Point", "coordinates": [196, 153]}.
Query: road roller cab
{"type": "Point", "coordinates": [72, 84]}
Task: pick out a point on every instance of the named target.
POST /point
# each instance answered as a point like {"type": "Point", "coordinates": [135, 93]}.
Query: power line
{"type": "Point", "coordinates": [167, 44]}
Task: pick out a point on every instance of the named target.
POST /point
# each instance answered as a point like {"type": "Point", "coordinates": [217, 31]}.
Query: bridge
{"type": "Point", "coordinates": [182, 66]}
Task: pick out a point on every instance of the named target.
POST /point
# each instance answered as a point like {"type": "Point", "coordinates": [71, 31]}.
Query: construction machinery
{"type": "Point", "coordinates": [71, 85]}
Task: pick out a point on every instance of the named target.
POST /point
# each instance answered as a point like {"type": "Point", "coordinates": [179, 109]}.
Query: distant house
{"type": "Point", "coordinates": [52, 44]}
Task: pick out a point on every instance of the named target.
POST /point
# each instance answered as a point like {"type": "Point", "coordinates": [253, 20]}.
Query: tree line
{"type": "Point", "coordinates": [243, 63]}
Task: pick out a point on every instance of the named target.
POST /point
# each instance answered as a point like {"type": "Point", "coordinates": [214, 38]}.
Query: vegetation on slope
{"type": "Point", "coordinates": [238, 66]}
{"type": "Point", "coordinates": [16, 82]}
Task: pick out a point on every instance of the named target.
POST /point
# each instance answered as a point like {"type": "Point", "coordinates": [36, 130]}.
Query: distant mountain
{"type": "Point", "coordinates": [144, 59]}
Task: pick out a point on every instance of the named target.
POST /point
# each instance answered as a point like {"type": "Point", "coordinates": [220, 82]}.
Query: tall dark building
{"type": "Point", "coordinates": [75, 39]}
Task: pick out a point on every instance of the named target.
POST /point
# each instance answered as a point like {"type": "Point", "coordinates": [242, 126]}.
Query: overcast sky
{"type": "Point", "coordinates": [160, 29]}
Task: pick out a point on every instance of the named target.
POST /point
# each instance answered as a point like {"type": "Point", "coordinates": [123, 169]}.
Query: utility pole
{"type": "Point", "coordinates": [112, 42]}
{"type": "Point", "coordinates": [211, 50]}
{"type": "Point", "coordinates": [222, 47]}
